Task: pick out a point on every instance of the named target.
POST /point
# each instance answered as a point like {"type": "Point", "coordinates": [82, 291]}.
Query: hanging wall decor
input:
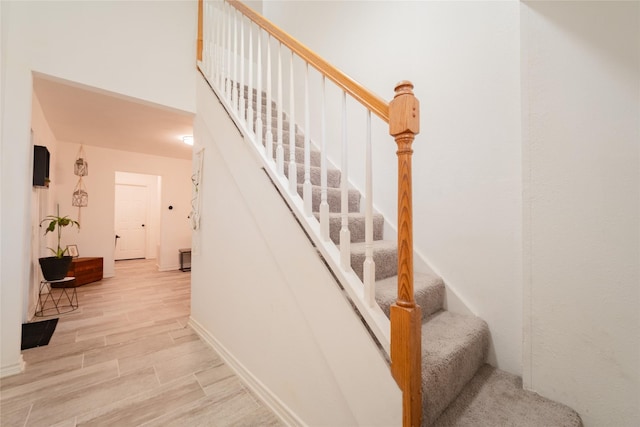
{"type": "Point", "coordinates": [81, 167]}
{"type": "Point", "coordinates": [196, 199]}
{"type": "Point", "coordinates": [80, 197]}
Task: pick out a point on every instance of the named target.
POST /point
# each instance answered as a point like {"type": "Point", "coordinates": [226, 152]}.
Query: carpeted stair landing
{"type": "Point", "coordinates": [459, 388]}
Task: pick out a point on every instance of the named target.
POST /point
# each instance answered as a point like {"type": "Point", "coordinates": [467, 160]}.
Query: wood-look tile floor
{"type": "Point", "coordinates": [126, 357]}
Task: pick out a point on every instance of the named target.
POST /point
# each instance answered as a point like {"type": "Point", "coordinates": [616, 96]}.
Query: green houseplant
{"type": "Point", "coordinates": [56, 267]}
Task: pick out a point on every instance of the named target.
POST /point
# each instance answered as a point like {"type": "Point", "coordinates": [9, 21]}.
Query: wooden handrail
{"type": "Point", "coordinates": [371, 101]}
{"type": "Point", "coordinates": [200, 44]}
{"type": "Point", "coordinates": [406, 315]}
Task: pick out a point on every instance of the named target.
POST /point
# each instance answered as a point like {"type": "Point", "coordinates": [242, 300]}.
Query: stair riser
{"type": "Point", "coordinates": [333, 176]}
{"type": "Point", "coordinates": [430, 300]}
{"type": "Point", "coordinates": [285, 138]}
{"type": "Point", "coordinates": [334, 199]}
{"type": "Point", "coordinates": [386, 263]}
{"type": "Point", "coordinates": [442, 381]}
{"type": "Point", "coordinates": [428, 291]}
{"type": "Point", "coordinates": [299, 156]}
{"type": "Point", "coordinates": [356, 229]}
{"type": "Point", "coordinates": [263, 115]}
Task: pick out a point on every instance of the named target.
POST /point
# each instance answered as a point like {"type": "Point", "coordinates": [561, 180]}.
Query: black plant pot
{"type": "Point", "coordinates": [55, 268]}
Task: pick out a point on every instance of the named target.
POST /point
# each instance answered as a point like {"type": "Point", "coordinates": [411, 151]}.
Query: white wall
{"type": "Point", "coordinates": [96, 237]}
{"type": "Point", "coordinates": [41, 205]}
{"type": "Point", "coordinates": [261, 294]}
{"type": "Point", "coordinates": [142, 49]}
{"type": "Point", "coordinates": [463, 58]}
{"type": "Point", "coordinates": [581, 116]}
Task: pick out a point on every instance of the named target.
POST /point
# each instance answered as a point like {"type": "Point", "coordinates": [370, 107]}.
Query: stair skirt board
{"type": "Point", "coordinates": [454, 346]}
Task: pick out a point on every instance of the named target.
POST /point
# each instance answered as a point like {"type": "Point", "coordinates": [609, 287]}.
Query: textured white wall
{"type": "Point", "coordinates": [261, 291]}
{"type": "Point", "coordinates": [141, 49]}
{"type": "Point", "coordinates": [581, 117]}
{"type": "Point", "coordinates": [463, 58]}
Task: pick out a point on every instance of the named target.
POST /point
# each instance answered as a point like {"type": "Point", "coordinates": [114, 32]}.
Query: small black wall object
{"type": "Point", "coordinates": [40, 166]}
{"type": "Point", "coordinates": [170, 207]}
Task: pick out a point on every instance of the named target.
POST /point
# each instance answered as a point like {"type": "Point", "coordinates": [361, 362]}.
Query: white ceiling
{"type": "Point", "coordinates": [90, 116]}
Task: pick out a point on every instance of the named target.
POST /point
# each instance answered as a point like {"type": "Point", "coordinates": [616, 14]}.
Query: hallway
{"type": "Point", "coordinates": [126, 357]}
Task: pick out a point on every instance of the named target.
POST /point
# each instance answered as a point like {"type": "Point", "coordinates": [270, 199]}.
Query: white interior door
{"type": "Point", "coordinates": [130, 218]}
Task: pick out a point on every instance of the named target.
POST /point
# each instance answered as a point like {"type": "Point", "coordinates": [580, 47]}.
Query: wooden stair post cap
{"type": "Point", "coordinates": [404, 110]}
{"type": "Point", "coordinates": [403, 87]}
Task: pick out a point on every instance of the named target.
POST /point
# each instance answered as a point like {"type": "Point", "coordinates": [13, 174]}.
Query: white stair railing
{"type": "Point", "coordinates": [223, 53]}
{"type": "Point", "coordinates": [232, 62]}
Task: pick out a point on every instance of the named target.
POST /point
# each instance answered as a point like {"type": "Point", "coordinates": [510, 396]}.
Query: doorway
{"type": "Point", "coordinates": [136, 216]}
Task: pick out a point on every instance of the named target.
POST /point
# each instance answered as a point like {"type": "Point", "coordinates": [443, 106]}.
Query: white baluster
{"type": "Point", "coordinates": [345, 234]}
{"type": "Point", "coordinates": [235, 99]}
{"type": "Point", "coordinates": [279, 148]}
{"type": "Point", "coordinates": [227, 83]}
{"type": "Point", "coordinates": [250, 83]}
{"type": "Point", "coordinates": [369, 268]}
{"type": "Point", "coordinates": [324, 205]}
{"type": "Point", "coordinates": [216, 44]}
{"type": "Point", "coordinates": [269, 123]}
{"type": "Point", "coordinates": [213, 31]}
{"type": "Point", "coordinates": [218, 19]}
{"type": "Point", "coordinates": [258, 128]}
{"type": "Point", "coordinates": [213, 51]}
{"type": "Point", "coordinates": [241, 79]}
{"type": "Point", "coordinates": [213, 22]}
{"type": "Point", "coordinates": [206, 61]}
{"type": "Point", "coordinates": [293, 174]}
{"type": "Point", "coordinates": [306, 186]}
{"type": "Point", "coordinates": [223, 57]}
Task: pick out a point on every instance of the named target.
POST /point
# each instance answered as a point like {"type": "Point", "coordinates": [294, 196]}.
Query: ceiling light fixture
{"type": "Point", "coordinates": [188, 139]}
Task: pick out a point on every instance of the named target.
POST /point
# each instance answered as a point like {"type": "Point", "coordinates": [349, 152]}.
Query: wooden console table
{"type": "Point", "coordinates": [86, 270]}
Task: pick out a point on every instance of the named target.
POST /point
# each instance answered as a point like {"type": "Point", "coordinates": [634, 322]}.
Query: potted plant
{"type": "Point", "coordinates": [56, 267]}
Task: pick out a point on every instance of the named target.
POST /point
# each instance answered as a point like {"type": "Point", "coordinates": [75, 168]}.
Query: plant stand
{"type": "Point", "coordinates": [56, 302]}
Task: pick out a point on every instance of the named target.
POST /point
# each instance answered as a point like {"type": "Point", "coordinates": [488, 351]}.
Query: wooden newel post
{"type": "Point", "coordinates": [404, 124]}
{"type": "Point", "coordinates": [200, 32]}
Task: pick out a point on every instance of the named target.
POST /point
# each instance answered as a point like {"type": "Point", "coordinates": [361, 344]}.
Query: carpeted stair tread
{"type": "Point", "coordinates": [385, 256]}
{"type": "Point", "coordinates": [453, 348]}
{"type": "Point", "coordinates": [357, 226]}
{"type": "Point", "coordinates": [496, 398]}
{"type": "Point", "coordinates": [428, 290]}
{"type": "Point", "coordinates": [333, 175]}
{"type": "Point", "coordinates": [334, 198]}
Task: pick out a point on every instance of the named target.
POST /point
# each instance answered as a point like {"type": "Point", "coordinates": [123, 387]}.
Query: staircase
{"type": "Point", "coordinates": [458, 387]}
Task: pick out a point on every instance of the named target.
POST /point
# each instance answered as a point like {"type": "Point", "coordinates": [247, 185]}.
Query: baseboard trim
{"type": "Point", "coordinates": [16, 368]}
{"type": "Point", "coordinates": [169, 268]}
{"type": "Point", "coordinates": [262, 392]}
